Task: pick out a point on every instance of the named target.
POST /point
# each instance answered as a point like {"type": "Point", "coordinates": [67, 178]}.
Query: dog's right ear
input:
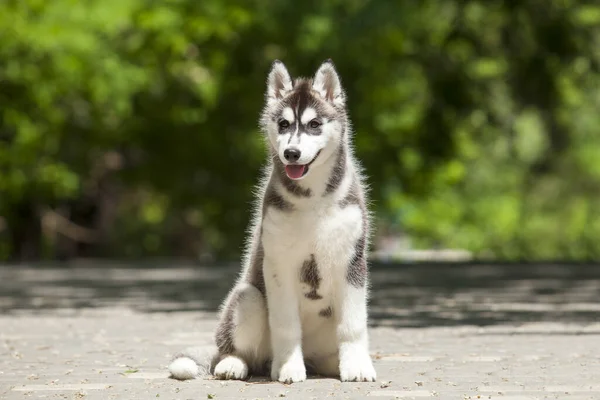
{"type": "Point", "coordinates": [279, 82]}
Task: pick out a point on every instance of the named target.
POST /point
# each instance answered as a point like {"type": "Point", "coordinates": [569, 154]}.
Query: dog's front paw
{"type": "Point", "coordinates": [290, 372]}
{"type": "Point", "coordinates": [356, 366]}
{"type": "Point", "coordinates": [231, 367]}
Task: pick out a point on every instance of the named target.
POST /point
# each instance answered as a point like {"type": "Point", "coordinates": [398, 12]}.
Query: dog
{"type": "Point", "coordinates": [300, 302]}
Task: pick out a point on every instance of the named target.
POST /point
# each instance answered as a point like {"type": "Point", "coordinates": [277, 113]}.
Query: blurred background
{"type": "Point", "coordinates": [129, 128]}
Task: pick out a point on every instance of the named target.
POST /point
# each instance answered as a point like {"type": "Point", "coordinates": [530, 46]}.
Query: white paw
{"type": "Point", "coordinates": [292, 371]}
{"type": "Point", "coordinates": [231, 367]}
{"type": "Point", "coordinates": [356, 366]}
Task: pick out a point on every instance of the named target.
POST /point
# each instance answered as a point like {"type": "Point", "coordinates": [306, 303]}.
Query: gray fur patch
{"type": "Point", "coordinates": [294, 188]}
{"type": "Point", "coordinates": [309, 274]}
{"type": "Point", "coordinates": [338, 171]}
{"type": "Point", "coordinates": [226, 327]}
{"type": "Point", "coordinates": [313, 295]}
{"type": "Point", "coordinates": [356, 274]}
{"type": "Point", "coordinates": [326, 312]}
{"type": "Point", "coordinates": [352, 197]}
{"type": "Point", "coordinates": [257, 277]}
{"type": "Point", "coordinates": [304, 96]}
{"type": "Point", "coordinates": [276, 200]}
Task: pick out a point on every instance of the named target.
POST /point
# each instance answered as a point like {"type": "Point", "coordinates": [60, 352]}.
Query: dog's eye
{"type": "Point", "coordinates": [283, 124]}
{"type": "Point", "coordinates": [314, 124]}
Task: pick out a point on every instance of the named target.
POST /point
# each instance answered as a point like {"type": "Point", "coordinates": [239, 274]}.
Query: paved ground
{"type": "Point", "coordinates": [452, 332]}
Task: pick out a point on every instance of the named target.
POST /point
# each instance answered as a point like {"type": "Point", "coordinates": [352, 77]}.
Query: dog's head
{"type": "Point", "coordinates": [304, 119]}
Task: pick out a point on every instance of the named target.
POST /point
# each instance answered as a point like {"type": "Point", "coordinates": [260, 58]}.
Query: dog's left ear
{"type": "Point", "coordinates": [327, 83]}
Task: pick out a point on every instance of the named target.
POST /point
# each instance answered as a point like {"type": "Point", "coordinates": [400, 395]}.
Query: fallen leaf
{"type": "Point", "coordinates": [131, 371]}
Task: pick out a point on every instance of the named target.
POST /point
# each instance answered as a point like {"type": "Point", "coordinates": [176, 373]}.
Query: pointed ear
{"type": "Point", "coordinates": [279, 82]}
{"type": "Point", "coordinates": [327, 83]}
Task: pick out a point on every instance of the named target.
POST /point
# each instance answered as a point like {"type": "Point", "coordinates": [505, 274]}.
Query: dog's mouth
{"type": "Point", "coordinates": [297, 171]}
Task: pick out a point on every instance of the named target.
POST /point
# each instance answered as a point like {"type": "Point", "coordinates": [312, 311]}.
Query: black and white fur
{"type": "Point", "coordinates": [301, 299]}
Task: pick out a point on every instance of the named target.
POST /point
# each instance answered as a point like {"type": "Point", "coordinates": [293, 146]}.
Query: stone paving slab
{"type": "Point", "coordinates": [108, 333]}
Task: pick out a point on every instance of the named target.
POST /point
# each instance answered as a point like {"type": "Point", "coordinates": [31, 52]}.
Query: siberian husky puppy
{"type": "Point", "coordinates": [301, 299]}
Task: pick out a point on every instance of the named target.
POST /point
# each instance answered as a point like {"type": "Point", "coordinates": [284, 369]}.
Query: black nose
{"type": "Point", "coordinates": [291, 155]}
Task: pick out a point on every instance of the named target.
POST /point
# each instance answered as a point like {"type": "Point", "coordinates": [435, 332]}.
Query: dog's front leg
{"type": "Point", "coordinates": [284, 323]}
{"type": "Point", "coordinates": [355, 361]}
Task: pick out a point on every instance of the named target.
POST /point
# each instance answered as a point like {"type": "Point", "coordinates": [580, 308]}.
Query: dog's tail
{"type": "Point", "coordinates": [193, 362]}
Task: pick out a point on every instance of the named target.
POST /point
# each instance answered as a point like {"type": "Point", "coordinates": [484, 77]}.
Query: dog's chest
{"type": "Point", "coordinates": [325, 237]}
{"type": "Point", "coordinates": [315, 290]}
{"type": "Point", "coordinates": [312, 249]}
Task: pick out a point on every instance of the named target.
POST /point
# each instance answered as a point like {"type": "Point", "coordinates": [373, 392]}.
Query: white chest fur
{"type": "Point", "coordinates": [329, 235]}
{"type": "Point", "coordinates": [310, 249]}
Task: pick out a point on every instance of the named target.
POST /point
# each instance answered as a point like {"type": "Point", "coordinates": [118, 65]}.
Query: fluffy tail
{"type": "Point", "coordinates": [193, 362]}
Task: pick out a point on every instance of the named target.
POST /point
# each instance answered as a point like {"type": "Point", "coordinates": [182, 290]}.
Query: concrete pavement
{"type": "Point", "coordinates": [94, 331]}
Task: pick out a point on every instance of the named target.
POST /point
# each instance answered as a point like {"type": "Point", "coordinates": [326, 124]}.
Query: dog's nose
{"type": "Point", "coordinates": [291, 155]}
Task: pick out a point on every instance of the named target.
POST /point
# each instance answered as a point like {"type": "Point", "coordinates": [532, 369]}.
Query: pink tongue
{"type": "Point", "coordinates": [295, 171]}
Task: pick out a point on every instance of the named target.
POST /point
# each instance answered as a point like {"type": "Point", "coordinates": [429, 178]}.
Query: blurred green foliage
{"type": "Point", "coordinates": [129, 128]}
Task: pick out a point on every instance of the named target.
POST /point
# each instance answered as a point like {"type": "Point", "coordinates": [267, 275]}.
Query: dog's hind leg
{"type": "Point", "coordinates": [243, 334]}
